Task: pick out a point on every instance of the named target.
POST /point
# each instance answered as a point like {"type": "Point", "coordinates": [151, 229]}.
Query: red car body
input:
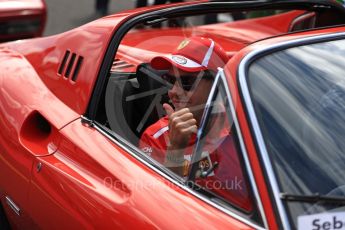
{"type": "Point", "coordinates": [58, 170]}
{"type": "Point", "coordinates": [22, 19]}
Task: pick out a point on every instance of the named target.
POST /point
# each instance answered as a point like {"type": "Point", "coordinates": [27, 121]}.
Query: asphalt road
{"type": "Point", "coordinates": [64, 15]}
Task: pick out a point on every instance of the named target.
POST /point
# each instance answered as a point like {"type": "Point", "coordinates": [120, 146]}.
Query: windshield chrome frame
{"type": "Point", "coordinates": [243, 85]}
{"type": "Point", "coordinates": [244, 152]}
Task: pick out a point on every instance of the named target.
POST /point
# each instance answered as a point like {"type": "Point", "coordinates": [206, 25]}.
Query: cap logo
{"type": "Point", "coordinates": [179, 59]}
{"type": "Point", "coordinates": [183, 44]}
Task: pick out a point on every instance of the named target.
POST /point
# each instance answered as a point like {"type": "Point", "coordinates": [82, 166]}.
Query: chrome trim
{"type": "Point", "coordinates": [87, 121]}
{"type": "Point", "coordinates": [207, 107]}
{"type": "Point", "coordinates": [252, 116]}
{"type": "Point", "coordinates": [243, 148]}
{"type": "Point", "coordinates": [12, 205]}
{"type": "Point", "coordinates": [205, 116]}
{"type": "Point", "coordinates": [186, 188]}
{"type": "Point", "coordinates": [301, 18]}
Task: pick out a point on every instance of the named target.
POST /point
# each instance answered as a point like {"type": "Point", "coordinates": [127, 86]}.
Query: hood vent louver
{"type": "Point", "coordinates": [70, 65]}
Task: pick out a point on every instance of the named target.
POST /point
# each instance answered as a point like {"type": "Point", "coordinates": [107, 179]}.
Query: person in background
{"type": "Point", "coordinates": [142, 3]}
{"type": "Point", "coordinates": [102, 7]}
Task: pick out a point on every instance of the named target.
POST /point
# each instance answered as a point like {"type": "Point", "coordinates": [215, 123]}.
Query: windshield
{"type": "Point", "coordinates": [299, 100]}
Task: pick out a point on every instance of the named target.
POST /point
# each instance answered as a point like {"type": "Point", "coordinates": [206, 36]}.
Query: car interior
{"type": "Point", "coordinates": [140, 96]}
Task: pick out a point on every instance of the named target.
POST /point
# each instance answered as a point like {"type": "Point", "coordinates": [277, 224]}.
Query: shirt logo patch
{"type": "Point", "coordinates": [147, 150]}
{"type": "Point", "coordinates": [205, 163]}
{"type": "Point", "coordinates": [179, 59]}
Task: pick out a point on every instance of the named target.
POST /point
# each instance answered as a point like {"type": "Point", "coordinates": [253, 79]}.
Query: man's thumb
{"type": "Point", "coordinates": [168, 109]}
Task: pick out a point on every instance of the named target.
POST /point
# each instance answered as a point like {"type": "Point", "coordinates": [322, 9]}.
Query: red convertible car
{"type": "Point", "coordinates": [20, 19]}
{"type": "Point", "coordinates": [90, 119]}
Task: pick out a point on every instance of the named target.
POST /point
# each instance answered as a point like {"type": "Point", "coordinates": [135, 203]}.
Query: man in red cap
{"type": "Point", "coordinates": [191, 70]}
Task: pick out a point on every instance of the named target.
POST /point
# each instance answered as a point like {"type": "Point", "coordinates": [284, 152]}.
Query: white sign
{"type": "Point", "coordinates": [322, 221]}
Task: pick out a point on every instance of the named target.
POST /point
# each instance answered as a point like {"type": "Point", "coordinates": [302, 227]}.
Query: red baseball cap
{"type": "Point", "coordinates": [193, 55]}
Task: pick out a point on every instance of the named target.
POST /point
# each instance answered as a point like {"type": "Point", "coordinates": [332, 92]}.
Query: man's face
{"type": "Point", "coordinates": [195, 98]}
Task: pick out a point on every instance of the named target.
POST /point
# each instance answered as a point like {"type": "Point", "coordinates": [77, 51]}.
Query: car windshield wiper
{"type": "Point", "coordinates": [312, 198]}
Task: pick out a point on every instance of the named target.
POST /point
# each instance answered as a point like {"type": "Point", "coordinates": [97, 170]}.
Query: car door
{"type": "Point", "coordinates": [96, 181]}
{"type": "Point", "coordinates": [29, 129]}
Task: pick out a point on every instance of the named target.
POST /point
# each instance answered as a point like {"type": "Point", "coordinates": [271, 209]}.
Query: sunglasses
{"type": "Point", "coordinates": [185, 81]}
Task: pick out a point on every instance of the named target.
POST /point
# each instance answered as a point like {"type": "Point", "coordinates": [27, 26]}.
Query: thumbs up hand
{"type": "Point", "coordinates": [182, 125]}
{"type": "Point", "coordinates": [168, 109]}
